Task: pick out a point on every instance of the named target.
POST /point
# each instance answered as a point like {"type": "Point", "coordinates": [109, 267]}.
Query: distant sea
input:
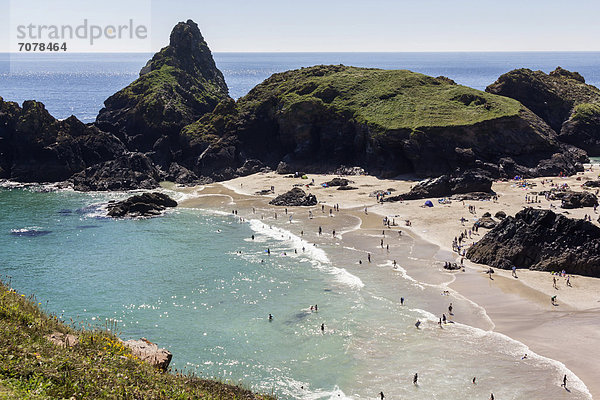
{"type": "Point", "coordinates": [200, 283]}
{"type": "Point", "coordinates": [77, 84]}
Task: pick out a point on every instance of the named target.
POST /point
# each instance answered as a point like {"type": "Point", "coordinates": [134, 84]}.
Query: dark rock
{"type": "Point", "coordinates": [127, 172]}
{"type": "Point", "coordinates": [346, 187]}
{"type": "Point", "coordinates": [451, 266]}
{"type": "Point", "coordinates": [295, 197]}
{"type": "Point", "coordinates": [338, 182]}
{"type": "Point", "coordinates": [250, 167]}
{"type": "Point", "coordinates": [500, 215]}
{"type": "Point", "coordinates": [447, 185]}
{"type": "Point", "coordinates": [36, 147]}
{"type": "Point", "coordinates": [579, 200]}
{"type": "Point", "coordinates": [180, 174]}
{"type": "Point", "coordinates": [541, 240]}
{"type": "Point", "coordinates": [486, 214]}
{"type": "Point", "coordinates": [284, 169]}
{"type": "Point", "coordinates": [592, 184]}
{"type": "Point", "coordinates": [472, 196]}
{"type": "Point", "coordinates": [141, 205]}
{"type": "Point", "coordinates": [486, 222]}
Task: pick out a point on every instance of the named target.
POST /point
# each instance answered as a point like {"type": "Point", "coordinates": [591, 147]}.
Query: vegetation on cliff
{"type": "Point", "coordinates": [176, 87]}
{"type": "Point", "coordinates": [561, 98]}
{"type": "Point", "coordinates": [388, 121]}
{"type": "Point", "coordinates": [98, 366]}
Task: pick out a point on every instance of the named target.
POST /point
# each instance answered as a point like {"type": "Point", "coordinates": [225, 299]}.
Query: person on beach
{"type": "Point", "coordinates": [553, 300]}
{"type": "Point", "coordinates": [322, 328]}
{"type": "Point", "coordinates": [381, 395]}
{"type": "Point", "coordinates": [444, 318]}
{"type": "Point", "coordinates": [401, 301]}
{"type": "Point", "coordinates": [450, 309]}
{"type": "Point", "coordinates": [554, 282]}
{"type": "Point", "coordinates": [569, 281]}
{"type": "Point", "coordinates": [320, 231]}
{"type": "Point", "coordinates": [369, 257]}
{"type": "Point", "coordinates": [491, 396]}
{"type": "Point", "coordinates": [514, 271]}
{"type": "Point", "coordinates": [381, 243]}
{"type": "Point", "coordinates": [416, 378]}
{"type": "Point", "coordinates": [564, 384]}
{"type": "Point", "coordinates": [474, 378]}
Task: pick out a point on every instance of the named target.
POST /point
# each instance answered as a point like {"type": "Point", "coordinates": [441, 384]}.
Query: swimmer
{"type": "Point", "coordinates": [270, 317]}
{"type": "Point", "coordinates": [524, 357]}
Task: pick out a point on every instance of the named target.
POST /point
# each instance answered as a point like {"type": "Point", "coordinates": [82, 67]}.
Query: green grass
{"type": "Point", "coordinates": [384, 99]}
{"type": "Point", "coordinates": [99, 367]}
{"type": "Point", "coordinates": [586, 112]}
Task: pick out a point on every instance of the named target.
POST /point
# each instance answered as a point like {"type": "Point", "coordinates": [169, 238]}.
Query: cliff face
{"type": "Point", "coordinates": [389, 122]}
{"type": "Point", "coordinates": [176, 87]}
{"type": "Point", "coordinates": [562, 99]}
{"type": "Point", "coordinates": [36, 147]}
{"type": "Point", "coordinates": [541, 240]}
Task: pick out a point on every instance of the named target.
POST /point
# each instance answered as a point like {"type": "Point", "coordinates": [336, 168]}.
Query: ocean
{"type": "Point", "coordinates": [195, 282]}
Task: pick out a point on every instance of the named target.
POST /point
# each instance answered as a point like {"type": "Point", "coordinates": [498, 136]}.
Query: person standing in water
{"type": "Point", "coordinates": [450, 309]}
{"type": "Point", "coordinates": [322, 328]}
{"type": "Point", "coordinates": [401, 301]}
{"type": "Point", "coordinates": [369, 257]}
{"type": "Point", "coordinates": [381, 395]}
{"type": "Point", "coordinates": [316, 307]}
{"type": "Point", "coordinates": [474, 383]}
{"type": "Point", "coordinates": [270, 317]}
{"type": "Point", "coordinates": [416, 378]}
{"type": "Point", "coordinates": [564, 384]}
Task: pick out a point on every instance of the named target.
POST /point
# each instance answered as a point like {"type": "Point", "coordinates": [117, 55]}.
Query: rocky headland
{"type": "Point", "coordinates": [177, 122]}
{"type": "Point", "coordinates": [541, 240]}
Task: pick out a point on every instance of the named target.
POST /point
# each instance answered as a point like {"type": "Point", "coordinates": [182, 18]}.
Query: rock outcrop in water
{"type": "Point", "coordinates": [141, 205]}
{"type": "Point", "coordinates": [541, 240]}
{"type": "Point", "coordinates": [36, 147]}
{"type": "Point", "coordinates": [295, 197]}
{"type": "Point", "coordinates": [562, 99]}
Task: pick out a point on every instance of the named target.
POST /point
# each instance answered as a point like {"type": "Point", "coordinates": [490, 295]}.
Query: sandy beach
{"type": "Point", "coordinates": [518, 307]}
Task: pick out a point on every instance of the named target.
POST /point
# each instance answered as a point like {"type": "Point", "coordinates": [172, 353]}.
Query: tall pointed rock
{"type": "Point", "coordinates": [176, 87]}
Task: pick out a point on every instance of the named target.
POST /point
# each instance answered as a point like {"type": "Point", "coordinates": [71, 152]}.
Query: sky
{"type": "Point", "coordinates": [320, 25]}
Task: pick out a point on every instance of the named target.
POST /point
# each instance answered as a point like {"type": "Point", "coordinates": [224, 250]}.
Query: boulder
{"type": "Point", "coordinates": [541, 240]}
{"type": "Point", "coordinates": [283, 168]}
{"type": "Point", "coordinates": [500, 215]}
{"type": "Point", "coordinates": [295, 197]}
{"type": "Point", "coordinates": [486, 222]}
{"type": "Point", "coordinates": [579, 200]}
{"type": "Point", "coordinates": [149, 352]}
{"type": "Point", "coordinates": [592, 184]}
{"type": "Point", "coordinates": [338, 182]}
{"type": "Point", "coordinates": [346, 187]}
{"type": "Point", "coordinates": [141, 205]}
{"type": "Point", "coordinates": [447, 185]}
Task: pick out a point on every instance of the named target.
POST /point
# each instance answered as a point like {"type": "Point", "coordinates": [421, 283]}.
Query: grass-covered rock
{"type": "Point", "coordinates": [97, 366]}
{"type": "Point", "coordinates": [561, 98]}
{"type": "Point", "coordinates": [388, 121]}
{"type": "Point", "coordinates": [176, 87]}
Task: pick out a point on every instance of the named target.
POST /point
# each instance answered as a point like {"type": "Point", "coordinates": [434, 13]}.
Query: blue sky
{"type": "Point", "coordinates": [330, 25]}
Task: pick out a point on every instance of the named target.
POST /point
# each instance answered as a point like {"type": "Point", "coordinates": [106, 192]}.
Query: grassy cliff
{"type": "Point", "coordinates": [97, 367]}
{"type": "Point", "coordinates": [385, 99]}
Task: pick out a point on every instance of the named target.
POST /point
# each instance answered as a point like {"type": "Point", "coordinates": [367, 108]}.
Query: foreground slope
{"type": "Point", "coordinates": [97, 367]}
{"type": "Point", "coordinates": [388, 121]}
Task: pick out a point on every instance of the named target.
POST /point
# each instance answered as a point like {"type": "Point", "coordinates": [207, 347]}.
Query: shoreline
{"type": "Point", "coordinates": [546, 330]}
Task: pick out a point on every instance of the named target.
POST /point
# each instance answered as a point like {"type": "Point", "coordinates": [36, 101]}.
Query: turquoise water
{"type": "Point", "coordinates": [195, 282]}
